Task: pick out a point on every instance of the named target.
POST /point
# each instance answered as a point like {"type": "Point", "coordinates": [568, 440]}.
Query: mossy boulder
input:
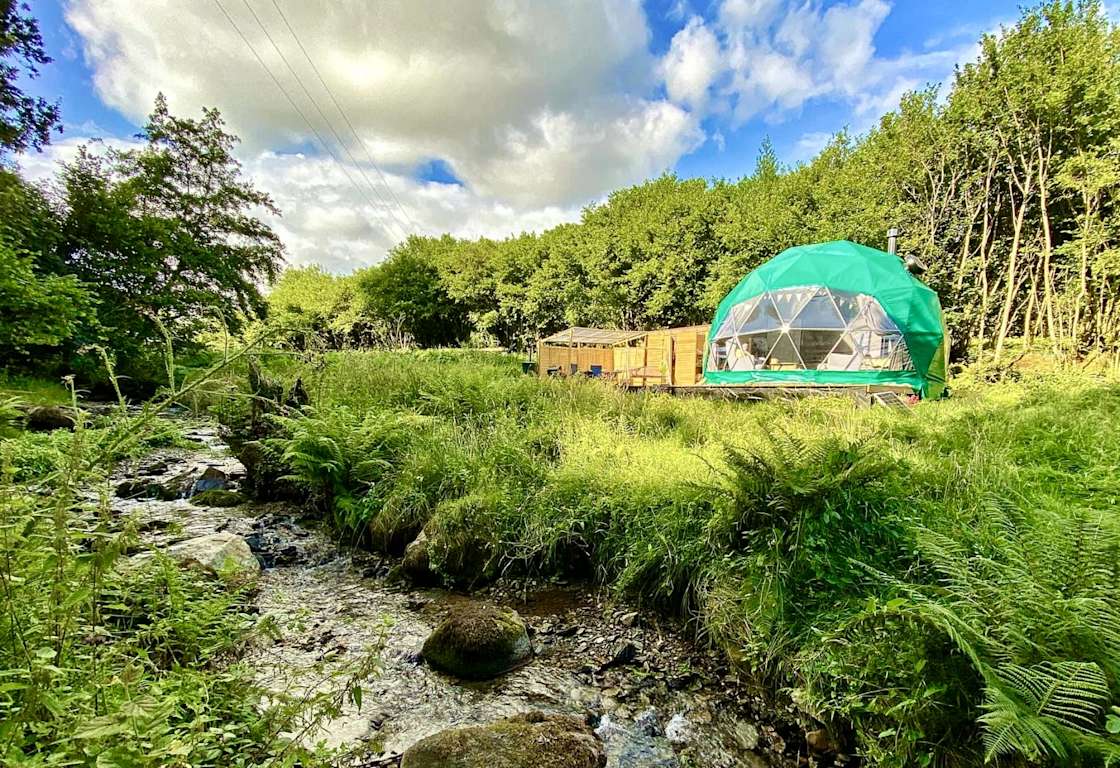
{"type": "Point", "coordinates": [45, 418]}
{"type": "Point", "coordinates": [478, 642]}
{"type": "Point", "coordinates": [218, 497]}
{"type": "Point", "coordinates": [533, 740]}
{"type": "Point", "coordinates": [416, 564]}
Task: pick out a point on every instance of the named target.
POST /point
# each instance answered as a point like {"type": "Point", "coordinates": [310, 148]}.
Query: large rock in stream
{"type": "Point", "coordinates": [533, 740]}
{"type": "Point", "coordinates": [45, 418]}
{"type": "Point", "coordinates": [478, 642]}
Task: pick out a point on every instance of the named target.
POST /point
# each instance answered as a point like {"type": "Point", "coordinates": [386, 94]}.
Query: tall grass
{"type": "Point", "coordinates": [937, 585]}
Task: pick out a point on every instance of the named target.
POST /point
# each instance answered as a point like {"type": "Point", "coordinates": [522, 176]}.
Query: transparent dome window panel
{"type": "Point", "coordinates": [843, 357]}
{"type": "Point", "coordinates": [757, 347]}
{"type": "Point", "coordinates": [763, 317]}
{"type": "Point", "coordinates": [847, 304]}
{"type": "Point", "coordinates": [882, 351]}
{"type": "Point", "coordinates": [737, 358]}
{"type": "Point", "coordinates": [809, 328]}
{"type": "Point", "coordinates": [789, 302]}
{"type": "Point", "coordinates": [784, 356]}
{"type": "Point", "coordinates": [735, 318]}
{"type": "Point", "coordinates": [717, 356]}
{"type": "Point", "coordinates": [815, 346]}
{"type": "Point", "coordinates": [819, 313]}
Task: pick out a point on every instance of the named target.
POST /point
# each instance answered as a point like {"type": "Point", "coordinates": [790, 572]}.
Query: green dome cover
{"type": "Point", "coordinates": [830, 313]}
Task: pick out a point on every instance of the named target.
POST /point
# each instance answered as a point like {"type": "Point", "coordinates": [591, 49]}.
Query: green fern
{"type": "Point", "coordinates": [1027, 708]}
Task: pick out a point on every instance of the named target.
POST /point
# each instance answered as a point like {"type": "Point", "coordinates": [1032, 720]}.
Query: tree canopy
{"type": "Point", "coordinates": [25, 121]}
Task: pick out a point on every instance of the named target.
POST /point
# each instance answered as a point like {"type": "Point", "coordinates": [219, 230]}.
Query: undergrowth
{"type": "Point", "coordinates": [111, 661]}
{"type": "Point", "coordinates": [936, 585]}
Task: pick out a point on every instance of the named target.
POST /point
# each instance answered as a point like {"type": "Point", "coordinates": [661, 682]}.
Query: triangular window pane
{"type": "Point", "coordinates": [790, 301]}
{"type": "Point", "coordinates": [872, 316]}
{"type": "Point", "coordinates": [881, 351]}
{"type": "Point", "coordinates": [717, 356]}
{"type": "Point", "coordinates": [737, 358]}
{"type": "Point", "coordinates": [758, 345]}
{"type": "Point", "coordinates": [848, 304]}
{"type": "Point", "coordinates": [763, 317]}
{"type": "Point", "coordinates": [843, 357]}
{"type": "Point", "coordinates": [741, 313]}
{"type": "Point", "coordinates": [727, 328]}
{"type": "Point", "coordinates": [784, 355]}
{"type": "Point", "coordinates": [819, 313]}
{"type": "Point", "coordinates": [814, 346]}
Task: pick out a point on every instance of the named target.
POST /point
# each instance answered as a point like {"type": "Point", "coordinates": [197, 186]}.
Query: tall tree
{"type": "Point", "coordinates": [169, 233]}
{"type": "Point", "coordinates": [25, 121]}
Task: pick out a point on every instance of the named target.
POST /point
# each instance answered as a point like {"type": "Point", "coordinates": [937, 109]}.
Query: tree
{"type": "Point", "coordinates": [405, 295]}
{"type": "Point", "coordinates": [308, 306]}
{"type": "Point", "coordinates": [168, 234]}
{"type": "Point", "coordinates": [40, 311]}
{"type": "Point", "coordinates": [25, 121]}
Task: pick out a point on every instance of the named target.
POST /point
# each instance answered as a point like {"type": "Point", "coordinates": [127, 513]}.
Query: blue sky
{"type": "Point", "coordinates": [491, 118]}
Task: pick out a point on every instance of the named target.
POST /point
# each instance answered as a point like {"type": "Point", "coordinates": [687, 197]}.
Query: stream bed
{"type": "Point", "coordinates": [655, 698]}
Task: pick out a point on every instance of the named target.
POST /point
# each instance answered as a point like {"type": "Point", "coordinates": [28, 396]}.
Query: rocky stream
{"type": "Point", "coordinates": [580, 680]}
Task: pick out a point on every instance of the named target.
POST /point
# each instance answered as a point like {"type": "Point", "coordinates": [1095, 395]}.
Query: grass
{"type": "Point", "coordinates": [33, 390]}
{"type": "Point", "coordinates": [938, 586]}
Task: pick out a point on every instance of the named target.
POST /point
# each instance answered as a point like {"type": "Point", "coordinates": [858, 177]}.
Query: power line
{"type": "Point", "coordinates": [342, 112]}
{"type": "Point", "coordinates": [322, 115]}
{"type": "Point", "coordinates": [296, 107]}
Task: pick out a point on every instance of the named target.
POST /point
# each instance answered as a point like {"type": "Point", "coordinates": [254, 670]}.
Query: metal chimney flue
{"type": "Point", "coordinates": [892, 241]}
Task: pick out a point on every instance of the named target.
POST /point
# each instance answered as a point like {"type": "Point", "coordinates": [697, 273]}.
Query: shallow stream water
{"type": "Point", "coordinates": [657, 699]}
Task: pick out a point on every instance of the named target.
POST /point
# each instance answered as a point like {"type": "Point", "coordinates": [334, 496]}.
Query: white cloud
{"type": "Point", "coordinates": [417, 79]}
{"type": "Point", "coordinates": [538, 107]}
{"type": "Point", "coordinates": [778, 55]}
{"type": "Point", "coordinates": [810, 144]}
{"type": "Point", "coordinates": [692, 64]}
{"type": "Point", "coordinates": [325, 219]}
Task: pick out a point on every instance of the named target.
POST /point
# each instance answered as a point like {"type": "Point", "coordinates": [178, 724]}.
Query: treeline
{"type": "Point", "coordinates": [1007, 188]}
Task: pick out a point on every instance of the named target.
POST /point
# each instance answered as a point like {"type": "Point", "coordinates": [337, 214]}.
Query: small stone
{"type": "Point", "coordinates": [524, 741]}
{"type": "Point", "coordinates": [621, 653]}
{"type": "Point", "coordinates": [45, 418]}
{"type": "Point", "coordinates": [629, 619]}
{"type": "Point", "coordinates": [211, 479]}
{"type": "Point", "coordinates": [746, 735]}
{"type": "Point", "coordinates": [218, 497]}
{"type": "Point", "coordinates": [417, 562]}
{"type": "Point", "coordinates": [679, 731]}
{"type": "Point", "coordinates": [221, 554]}
{"type": "Point", "coordinates": [646, 722]}
{"type": "Point", "coordinates": [820, 742]}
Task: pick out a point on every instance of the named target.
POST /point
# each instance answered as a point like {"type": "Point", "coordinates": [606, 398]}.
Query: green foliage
{"type": "Point", "coordinates": [167, 237]}
{"type": "Point", "coordinates": [25, 121]}
{"type": "Point", "coordinates": [39, 310]}
{"type": "Point", "coordinates": [406, 301]}
{"type": "Point", "coordinates": [937, 582]}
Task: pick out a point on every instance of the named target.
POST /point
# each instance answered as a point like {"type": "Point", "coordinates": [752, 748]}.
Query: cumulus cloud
{"type": "Point", "coordinates": [778, 55]}
{"type": "Point", "coordinates": [692, 64]}
{"type": "Point", "coordinates": [538, 108]}
{"type": "Point", "coordinates": [475, 84]}
{"type": "Point", "coordinates": [327, 220]}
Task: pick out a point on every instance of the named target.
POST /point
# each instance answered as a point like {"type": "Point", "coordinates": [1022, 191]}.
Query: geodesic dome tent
{"type": "Point", "coordinates": [831, 314]}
